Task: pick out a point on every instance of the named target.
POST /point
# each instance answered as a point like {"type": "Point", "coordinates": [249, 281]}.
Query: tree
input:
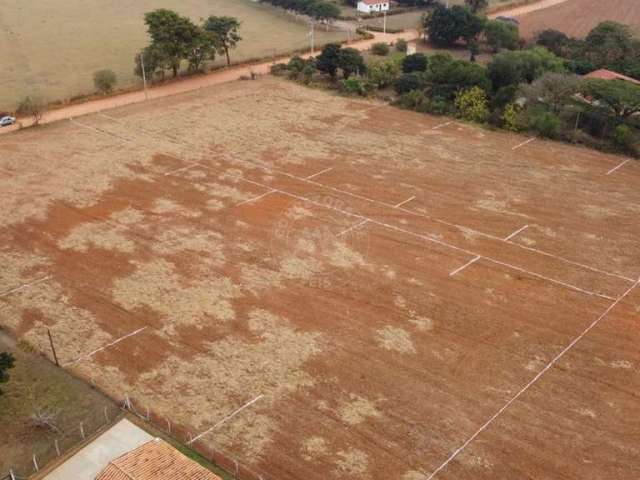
{"type": "Point", "coordinates": [501, 35]}
{"type": "Point", "coordinates": [446, 25]}
{"type": "Point", "coordinates": [7, 362]}
{"type": "Point", "coordinates": [154, 61]}
{"type": "Point", "coordinates": [476, 5]}
{"type": "Point", "coordinates": [31, 107]}
{"type": "Point", "coordinates": [522, 66]}
{"type": "Point", "coordinates": [173, 35]}
{"type": "Point", "coordinates": [553, 40]}
{"type": "Point", "coordinates": [408, 82]}
{"type": "Point", "coordinates": [225, 32]}
{"type": "Point", "coordinates": [553, 90]}
{"type": "Point", "coordinates": [609, 44]}
{"type": "Point", "coordinates": [618, 98]}
{"type": "Point", "coordinates": [446, 76]}
{"type": "Point", "coordinates": [350, 61]}
{"type": "Point", "coordinates": [202, 47]}
{"type": "Point", "coordinates": [329, 59]}
{"type": "Point", "coordinates": [383, 73]}
{"type": "Point", "coordinates": [472, 104]}
{"type": "Point", "coordinates": [416, 62]}
{"type": "Point", "coordinates": [105, 80]}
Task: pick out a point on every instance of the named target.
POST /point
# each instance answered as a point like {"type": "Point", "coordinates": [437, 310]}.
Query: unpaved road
{"type": "Point", "coordinates": [524, 9]}
{"type": "Point", "coordinates": [188, 84]}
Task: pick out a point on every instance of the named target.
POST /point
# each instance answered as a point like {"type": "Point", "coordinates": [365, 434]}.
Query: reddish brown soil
{"type": "Point", "coordinates": [323, 296]}
{"type": "Point", "coordinates": [577, 17]}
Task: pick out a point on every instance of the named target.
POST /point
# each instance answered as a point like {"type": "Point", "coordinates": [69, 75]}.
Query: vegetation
{"type": "Point", "coordinates": [317, 9]}
{"type": "Point", "coordinates": [104, 80]}
{"type": "Point", "coordinates": [380, 49]}
{"type": "Point", "coordinates": [176, 39]}
{"type": "Point", "coordinates": [31, 107]}
{"type": "Point", "coordinates": [7, 362]}
{"type": "Point", "coordinates": [531, 89]}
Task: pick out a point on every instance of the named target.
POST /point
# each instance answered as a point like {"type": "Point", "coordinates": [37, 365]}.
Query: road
{"type": "Point", "coordinates": [188, 84]}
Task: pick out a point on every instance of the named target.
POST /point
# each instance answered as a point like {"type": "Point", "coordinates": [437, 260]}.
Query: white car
{"type": "Point", "coordinates": [6, 121]}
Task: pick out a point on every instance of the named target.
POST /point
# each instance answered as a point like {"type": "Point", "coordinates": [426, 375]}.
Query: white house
{"type": "Point", "coordinates": [373, 6]}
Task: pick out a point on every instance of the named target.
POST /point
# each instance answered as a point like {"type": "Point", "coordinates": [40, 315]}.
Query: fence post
{"type": "Point", "coordinates": [55, 442]}
{"type": "Point", "coordinates": [235, 462]}
{"type": "Point", "coordinates": [82, 430]}
{"type": "Point", "coordinates": [35, 463]}
{"type": "Point", "coordinates": [106, 415]}
{"type": "Point", "coordinates": [13, 477]}
{"type": "Point", "coordinates": [168, 426]}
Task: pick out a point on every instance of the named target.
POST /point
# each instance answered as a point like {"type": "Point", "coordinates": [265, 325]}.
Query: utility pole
{"type": "Point", "coordinates": [144, 76]}
{"type": "Point", "coordinates": [313, 37]}
{"type": "Point", "coordinates": [384, 22]}
{"type": "Point", "coordinates": [53, 349]}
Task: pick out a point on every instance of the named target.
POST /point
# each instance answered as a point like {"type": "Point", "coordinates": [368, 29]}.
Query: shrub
{"type": "Point", "coordinates": [307, 73]}
{"type": "Point", "coordinates": [355, 86]}
{"type": "Point", "coordinates": [546, 124]}
{"type": "Point", "coordinates": [623, 136]}
{"type": "Point", "coordinates": [31, 107]}
{"type": "Point", "coordinates": [402, 46]}
{"type": "Point", "coordinates": [409, 81]}
{"type": "Point", "coordinates": [511, 117]}
{"type": "Point", "coordinates": [105, 80]}
{"type": "Point", "coordinates": [472, 105]}
{"type": "Point", "coordinates": [416, 62]}
{"type": "Point", "coordinates": [381, 74]}
{"type": "Point", "coordinates": [279, 69]}
{"type": "Point", "coordinates": [380, 49]}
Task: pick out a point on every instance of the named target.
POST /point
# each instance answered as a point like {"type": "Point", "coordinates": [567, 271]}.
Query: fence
{"type": "Point", "coordinates": [230, 465]}
{"type": "Point", "coordinates": [44, 452]}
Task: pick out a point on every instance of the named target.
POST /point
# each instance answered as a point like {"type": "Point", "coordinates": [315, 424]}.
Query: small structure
{"type": "Point", "coordinates": [373, 6]}
{"type": "Point", "coordinates": [604, 74]}
{"type": "Point", "coordinates": [155, 460]}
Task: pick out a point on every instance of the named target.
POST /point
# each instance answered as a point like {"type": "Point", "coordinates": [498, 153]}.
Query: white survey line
{"type": "Point", "coordinates": [26, 285]}
{"type": "Point", "coordinates": [524, 143]}
{"type": "Point", "coordinates": [181, 169]}
{"type": "Point", "coordinates": [319, 173]}
{"type": "Point", "coordinates": [532, 382]}
{"type": "Point", "coordinates": [353, 227]}
{"type": "Point", "coordinates": [619, 166]}
{"type": "Point", "coordinates": [470, 262]}
{"type": "Point", "coordinates": [254, 199]}
{"type": "Point", "coordinates": [89, 355]}
{"type": "Point", "coordinates": [228, 417]}
{"type": "Point", "coordinates": [516, 233]}
{"type": "Point", "coordinates": [405, 202]}
{"type": "Point", "coordinates": [442, 125]}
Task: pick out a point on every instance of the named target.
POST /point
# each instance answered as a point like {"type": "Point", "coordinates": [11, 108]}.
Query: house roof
{"type": "Point", "coordinates": [604, 74]}
{"type": "Point", "coordinates": [374, 2]}
{"type": "Point", "coordinates": [155, 460]}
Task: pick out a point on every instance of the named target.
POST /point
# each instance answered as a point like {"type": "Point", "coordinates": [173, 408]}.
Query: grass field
{"type": "Point", "coordinates": [577, 17]}
{"type": "Point", "coordinates": [52, 47]}
{"type": "Point", "coordinates": [386, 287]}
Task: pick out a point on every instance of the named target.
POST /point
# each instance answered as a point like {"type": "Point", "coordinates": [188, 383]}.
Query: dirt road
{"type": "Point", "coordinates": [188, 84]}
{"type": "Point", "coordinates": [524, 9]}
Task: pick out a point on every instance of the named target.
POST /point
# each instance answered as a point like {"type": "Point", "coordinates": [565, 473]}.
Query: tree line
{"type": "Point", "coordinates": [176, 40]}
{"type": "Point", "coordinates": [317, 9]}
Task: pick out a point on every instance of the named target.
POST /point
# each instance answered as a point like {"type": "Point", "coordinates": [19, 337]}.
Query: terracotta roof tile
{"type": "Point", "coordinates": [155, 460]}
{"type": "Point", "coordinates": [604, 74]}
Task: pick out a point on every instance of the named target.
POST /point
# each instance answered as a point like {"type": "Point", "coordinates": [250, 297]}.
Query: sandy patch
{"type": "Point", "coordinates": [357, 410]}
{"type": "Point", "coordinates": [352, 462]}
{"type": "Point", "coordinates": [395, 339]}
{"type": "Point", "coordinates": [314, 447]}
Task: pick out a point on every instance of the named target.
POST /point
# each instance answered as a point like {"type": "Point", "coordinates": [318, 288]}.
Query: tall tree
{"type": "Point", "coordinates": [329, 59]}
{"type": "Point", "coordinates": [6, 363]}
{"type": "Point", "coordinates": [476, 5]}
{"type": "Point", "coordinates": [225, 32]}
{"type": "Point", "coordinates": [619, 98]}
{"type": "Point", "coordinates": [173, 35]}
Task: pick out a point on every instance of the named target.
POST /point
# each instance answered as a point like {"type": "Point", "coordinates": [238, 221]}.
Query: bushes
{"type": "Point", "coordinates": [472, 105]}
{"type": "Point", "coordinates": [546, 124]}
{"type": "Point", "coordinates": [31, 107]}
{"type": "Point", "coordinates": [380, 49]}
{"type": "Point", "coordinates": [320, 9]}
{"type": "Point", "coordinates": [104, 80]}
{"type": "Point", "coordinates": [416, 62]}
{"type": "Point", "coordinates": [384, 73]}
{"type": "Point", "coordinates": [409, 81]}
{"type": "Point", "coordinates": [402, 46]}
{"type": "Point", "coordinates": [355, 86]}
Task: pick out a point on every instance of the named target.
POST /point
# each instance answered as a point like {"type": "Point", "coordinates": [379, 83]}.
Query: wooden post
{"type": "Point", "coordinates": [13, 477]}
{"type": "Point", "coordinates": [55, 442]}
{"type": "Point", "coordinates": [106, 415]}
{"type": "Point", "coordinates": [35, 463]}
{"type": "Point", "coordinates": [82, 430]}
{"type": "Point", "coordinates": [53, 348]}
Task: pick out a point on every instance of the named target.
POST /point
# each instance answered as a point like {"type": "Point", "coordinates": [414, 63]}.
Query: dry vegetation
{"type": "Point", "coordinates": [190, 216]}
{"type": "Point", "coordinates": [577, 17]}
{"type": "Point", "coordinates": [52, 48]}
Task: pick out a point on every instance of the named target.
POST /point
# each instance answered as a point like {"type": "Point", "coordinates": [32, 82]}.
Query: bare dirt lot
{"type": "Point", "coordinates": [577, 17]}
{"type": "Point", "coordinates": [399, 295]}
{"type": "Point", "coordinates": [52, 48]}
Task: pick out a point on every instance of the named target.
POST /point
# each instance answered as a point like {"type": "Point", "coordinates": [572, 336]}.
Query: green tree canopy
{"type": "Point", "coordinates": [329, 59]}
{"type": "Point", "coordinates": [225, 33]}
{"type": "Point", "coordinates": [501, 35]}
{"type": "Point", "coordinates": [522, 66]}
{"type": "Point", "coordinates": [350, 61]}
{"type": "Point", "coordinates": [6, 363]}
{"type": "Point", "coordinates": [619, 98]}
{"type": "Point", "coordinates": [446, 25]}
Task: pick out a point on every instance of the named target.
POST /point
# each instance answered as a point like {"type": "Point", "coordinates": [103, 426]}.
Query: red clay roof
{"type": "Point", "coordinates": [374, 2]}
{"type": "Point", "coordinates": [604, 74]}
{"type": "Point", "coordinates": [155, 460]}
